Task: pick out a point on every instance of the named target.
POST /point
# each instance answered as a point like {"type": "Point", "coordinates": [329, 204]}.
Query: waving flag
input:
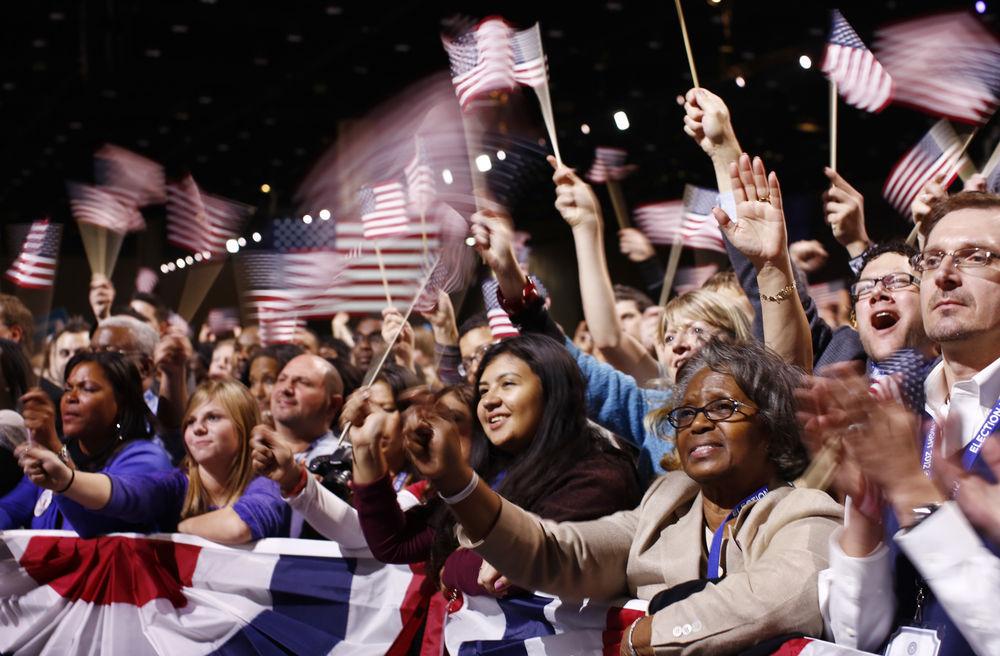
{"type": "Point", "coordinates": [383, 209]}
{"type": "Point", "coordinates": [178, 594]}
{"type": "Point", "coordinates": [199, 222]}
{"type": "Point", "coordinates": [101, 207]}
{"type": "Point", "coordinates": [609, 164]}
{"type": "Point", "coordinates": [529, 59]}
{"type": "Point", "coordinates": [266, 298]}
{"type": "Point", "coordinates": [860, 79]}
{"type": "Point", "coordinates": [134, 179]}
{"type": "Point", "coordinates": [690, 219]}
{"type": "Point", "coordinates": [500, 324]}
{"type": "Point", "coordinates": [940, 150]}
{"type": "Point", "coordinates": [693, 277]}
{"type": "Point", "coordinates": [482, 60]}
{"type": "Point", "coordinates": [35, 265]}
{"type": "Point", "coordinates": [947, 65]}
{"type": "Point", "coordinates": [420, 186]}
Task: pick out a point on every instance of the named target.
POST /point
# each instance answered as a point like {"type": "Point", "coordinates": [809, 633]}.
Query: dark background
{"type": "Point", "coordinates": [243, 93]}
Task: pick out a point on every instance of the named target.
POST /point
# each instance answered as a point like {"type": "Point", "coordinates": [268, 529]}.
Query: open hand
{"type": "Point", "coordinates": [758, 231]}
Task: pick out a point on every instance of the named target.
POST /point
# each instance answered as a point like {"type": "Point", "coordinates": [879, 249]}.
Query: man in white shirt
{"type": "Point", "coordinates": [926, 574]}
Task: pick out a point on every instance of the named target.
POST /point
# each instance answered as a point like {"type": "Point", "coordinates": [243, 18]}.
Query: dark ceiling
{"type": "Point", "coordinates": [241, 93]}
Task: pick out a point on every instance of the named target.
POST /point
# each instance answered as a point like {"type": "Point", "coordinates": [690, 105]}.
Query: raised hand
{"type": "Point", "coordinates": [575, 200]}
{"type": "Point", "coordinates": [404, 348]}
{"type": "Point", "coordinates": [40, 418]}
{"type": "Point", "coordinates": [635, 245]}
{"type": "Point", "coordinates": [170, 357]}
{"type": "Point", "coordinates": [494, 240]}
{"type": "Point", "coordinates": [844, 209]}
{"type": "Point", "coordinates": [272, 458]}
{"type": "Point", "coordinates": [434, 447]}
{"type": "Point", "coordinates": [442, 320]}
{"type": "Point", "coordinates": [933, 191]}
{"type": "Point", "coordinates": [758, 230]}
{"type": "Point", "coordinates": [808, 255]}
{"type": "Point", "coordinates": [43, 467]}
{"type": "Point", "coordinates": [707, 121]}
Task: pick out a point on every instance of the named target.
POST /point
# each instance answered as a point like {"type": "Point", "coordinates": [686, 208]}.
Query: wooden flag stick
{"type": "Point", "coordinates": [542, 91]}
{"type": "Point", "coordinates": [385, 279]}
{"type": "Point", "coordinates": [992, 162]}
{"type": "Point", "coordinates": [833, 125]}
{"type": "Point", "coordinates": [672, 261]}
{"type": "Point", "coordinates": [966, 169]}
{"type": "Point", "coordinates": [911, 239]}
{"type": "Point", "coordinates": [102, 250]}
{"type": "Point", "coordinates": [687, 42]}
{"type": "Point", "coordinates": [374, 371]}
{"type": "Point", "coordinates": [114, 245]}
{"type": "Point", "coordinates": [88, 235]}
{"type": "Point", "coordinates": [618, 203]}
{"type": "Point", "coordinates": [199, 280]}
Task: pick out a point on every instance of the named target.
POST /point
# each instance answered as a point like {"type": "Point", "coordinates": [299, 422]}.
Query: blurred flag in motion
{"type": "Point", "coordinates": [939, 151]}
{"type": "Point", "coordinates": [609, 164]}
{"type": "Point", "coordinates": [690, 219]}
{"type": "Point", "coordinates": [102, 208]}
{"type": "Point", "coordinates": [860, 79]}
{"type": "Point", "coordinates": [134, 179]}
{"type": "Point", "coordinates": [200, 222]}
{"type": "Point", "coordinates": [35, 266]}
{"type": "Point", "coordinates": [383, 209]}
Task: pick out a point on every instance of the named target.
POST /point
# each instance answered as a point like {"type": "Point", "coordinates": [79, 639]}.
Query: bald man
{"type": "Point", "coordinates": [304, 402]}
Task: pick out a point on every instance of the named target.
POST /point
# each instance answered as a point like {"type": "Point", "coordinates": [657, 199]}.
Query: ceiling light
{"type": "Point", "coordinates": [232, 246]}
{"type": "Point", "coordinates": [324, 214]}
{"type": "Point", "coordinates": [483, 163]}
{"type": "Point", "coordinates": [806, 62]}
{"type": "Point", "coordinates": [447, 176]}
{"type": "Point", "coordinates": [621, 120]}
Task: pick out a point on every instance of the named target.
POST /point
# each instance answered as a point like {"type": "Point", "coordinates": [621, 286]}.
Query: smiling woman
{"type": "Point", "coordinates": [212, 495]}
{"type": "Point", "coordinates": [727, 552]}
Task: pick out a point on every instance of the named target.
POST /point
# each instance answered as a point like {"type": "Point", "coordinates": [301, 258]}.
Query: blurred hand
{"type": "Point", "coordinates": [442, 320]}
{"type": "Point", "coordinates": [339, 328]}
{"type": "Point", "coordinates": [43, 467]}
{"type": "Point", "coordinates": [759, 231]}
{"type": "Point", "coordinates": [635, 245]}
{"type": "Point", "coordinates": [39, 415]}
{"type": "Point", "coordinates": [170, 357]}
{"type": "Point", "coordinates": [493, 240]}
{"type": "Point", "coordinates": [575, 200]}
{"type": "Point", "coordinates": [976, 182]}
{"type": "Point", "coordinates": [493, 582]}
{"type": "Point", "coordinates": [101, 296]}
{"type": "Point", "coordinates": [932, 192]}
{"type": "Point", "coordinates": [367, 422]}
{"type": "Point", "coordinates": [707, 121]}
{"type": "Point", "coordinates": [809, 256]}
{"type": "Point", "coordinates": [392, 322]}
{"type": "Point", "coordinates": [844, 209]}
{"type": "Point", "coordinates": [272, 458]}
{"type": "Point", "coordinates": [434, 447]}
{"type": "Point", "coordinates": [978, 499]}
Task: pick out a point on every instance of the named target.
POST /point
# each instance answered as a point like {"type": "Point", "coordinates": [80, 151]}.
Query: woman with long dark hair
{"type": "Point", "coordinates": [106, 426]}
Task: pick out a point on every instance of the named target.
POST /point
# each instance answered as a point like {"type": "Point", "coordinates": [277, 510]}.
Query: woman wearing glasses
{"type": "Point", "coordinates": [727, 551]}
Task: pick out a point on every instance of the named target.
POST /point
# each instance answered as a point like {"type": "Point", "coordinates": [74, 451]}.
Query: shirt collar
{"type": "Point", "coordinates": [986, 383]}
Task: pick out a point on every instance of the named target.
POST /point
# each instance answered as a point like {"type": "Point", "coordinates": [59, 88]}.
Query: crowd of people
{"type": "Point", "coordinates": [753, 472]}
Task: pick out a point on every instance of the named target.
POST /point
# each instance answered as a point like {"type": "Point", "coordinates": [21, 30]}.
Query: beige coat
{"type": "Point", "coordinates": [771, 566]}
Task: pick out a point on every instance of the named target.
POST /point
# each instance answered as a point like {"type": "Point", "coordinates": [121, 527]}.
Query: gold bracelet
{"type": "Point", "coordinates": [783, 294]}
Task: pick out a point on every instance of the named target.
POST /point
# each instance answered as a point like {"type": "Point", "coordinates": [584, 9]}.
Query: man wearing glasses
{"type": "Point", "coordinates": [919, 571]}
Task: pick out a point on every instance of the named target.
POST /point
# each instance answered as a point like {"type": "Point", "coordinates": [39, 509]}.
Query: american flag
{"type": "Point", "coordinates": [860, 79]}
{"type": "Point", "coordinates": [101, 207]}
{"type": "Point", "coordinates": [135, 179]}
{"type": "Point", "coordinates": [947, 65]}
{"type": "Point", "coordinates": [529, 58]}
{"type": "Point", "coordinates": [690, 219]}
{"type": "Point", "coordinates": [828, 293]}
{"type": "Point", "coordinates": [199, 222]}
{"type": "Point", "coordinates": [693, 277]}
{"type": "Point", "coordinates": [145, 280]}
{"type": "Point", "coordinates": [482, 60]}
{"type": "Point", "coordinates": [609, 164]}
{"type": "Point", "coordinates": [420, 186]}
{"type": "Point", "coordinates": [223, 320]}
{"type": "Point", "coordinates": [266, 297]}
{"type": "Point", "coordinates": [939, 150]}
{"type": "Point", "coordinates": [35, 265]}
{"type": "Point", "coordinates": [500, 323]}
{"type": "Point", "coordinates": [311, 264]}
{"type": "Point", "coordinates": [383, 209]}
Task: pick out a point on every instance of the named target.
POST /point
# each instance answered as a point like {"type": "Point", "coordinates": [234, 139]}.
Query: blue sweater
{"type": "Point", "coordinates": [157, 499]}
{"type": "Point", "coordinates": [23, 506]}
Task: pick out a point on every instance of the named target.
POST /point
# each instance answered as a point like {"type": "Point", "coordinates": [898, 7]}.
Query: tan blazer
{"type": "Point", "coordinates": [771, 566]}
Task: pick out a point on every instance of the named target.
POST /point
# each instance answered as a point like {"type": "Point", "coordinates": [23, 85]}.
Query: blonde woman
{"type": "Point", "coordinates": [213, 494]}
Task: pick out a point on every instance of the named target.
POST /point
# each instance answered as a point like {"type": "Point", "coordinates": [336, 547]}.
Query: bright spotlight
{"type": "Point", "coordinates": [621, 120]}
{"type": "Point", "coordinates": [806, 62]}
{"type": "Point", "coordinates": [483, 163]}
{"type": "Point", "coordinates": [232, 246]}
{"type": "Point", "coordinates": [447, 176]}
{"type": "Point", "coordinates": [324, 214]}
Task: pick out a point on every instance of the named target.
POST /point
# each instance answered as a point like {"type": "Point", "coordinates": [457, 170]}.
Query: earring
{"type": "Point", "coordinates": [118, 427]}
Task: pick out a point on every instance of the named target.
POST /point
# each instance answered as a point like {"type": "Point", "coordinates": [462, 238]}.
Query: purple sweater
{"type": "Point", "coordinates": [19, 508]}
{"type": "Point", "coordinates": [158, 499]}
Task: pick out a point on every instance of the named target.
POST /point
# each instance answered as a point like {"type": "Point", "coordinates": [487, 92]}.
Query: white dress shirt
{"type": "Point", "coordinates": [856, 594]}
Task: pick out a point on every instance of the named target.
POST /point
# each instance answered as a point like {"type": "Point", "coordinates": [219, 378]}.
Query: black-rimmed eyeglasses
{"type": "Point", "coordinates": [717, 410]}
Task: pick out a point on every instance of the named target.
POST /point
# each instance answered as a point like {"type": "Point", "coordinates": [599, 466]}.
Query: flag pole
{"type": "Point", "coordinates": [373, 372]}
{"type": "Point", "coordinates": [833, 125]}
{"type": "Point", "coordinates": [671, 272]}
{"type": "Point", "coordinates": [385, 279]}
{"type": "Point", "coordinates": [966, 170]}
{"type": "Point", "coordinates": [992, 162]}
{"type": "Point", "coordinates": [542, 91]}
{"type": "Point", "coordinates": [687, 42]}
{"type": "Point", "coordinates": [618, 202]}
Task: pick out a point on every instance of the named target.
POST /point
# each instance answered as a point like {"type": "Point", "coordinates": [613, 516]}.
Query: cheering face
{"type": "Point", "coordinates": [391, 442]}
{"type": "Point", "coordinates": [263, 373]}
{"type": "Point", "coordinates": [511, 403]}
{"type": "Point", "coordinates": [889, 320]}
{"type": "Point", "coordinates": [960, 304]}
{"type": "Point", "coordinates": [630, 318]}
{"type": "Point", "coordinates": [732, 450]}
{"type": "Point", "coordinates": [64, 348]}
{"type": "Point", "coordinates": [210, 435]}
{"type": "Point", "coordinates": [88, 405]}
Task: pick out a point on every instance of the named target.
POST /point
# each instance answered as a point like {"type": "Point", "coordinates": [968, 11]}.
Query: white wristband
{"type": "Point", "coordinates": [464, 494]}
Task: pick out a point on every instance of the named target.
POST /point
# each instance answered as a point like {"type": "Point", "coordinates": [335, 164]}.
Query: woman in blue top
{"type": "Point", "coordinates": [104, 421]}
{"type": "Point", "coordinates": [213, 495]}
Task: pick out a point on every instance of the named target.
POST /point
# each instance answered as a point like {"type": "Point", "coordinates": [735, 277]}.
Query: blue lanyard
{"type": "Point", "coordinates": [971, 452]}
{"type": "Point", "coordinates": [715, 551]}
{"type": "Point", "coordinates": [397, 483]}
